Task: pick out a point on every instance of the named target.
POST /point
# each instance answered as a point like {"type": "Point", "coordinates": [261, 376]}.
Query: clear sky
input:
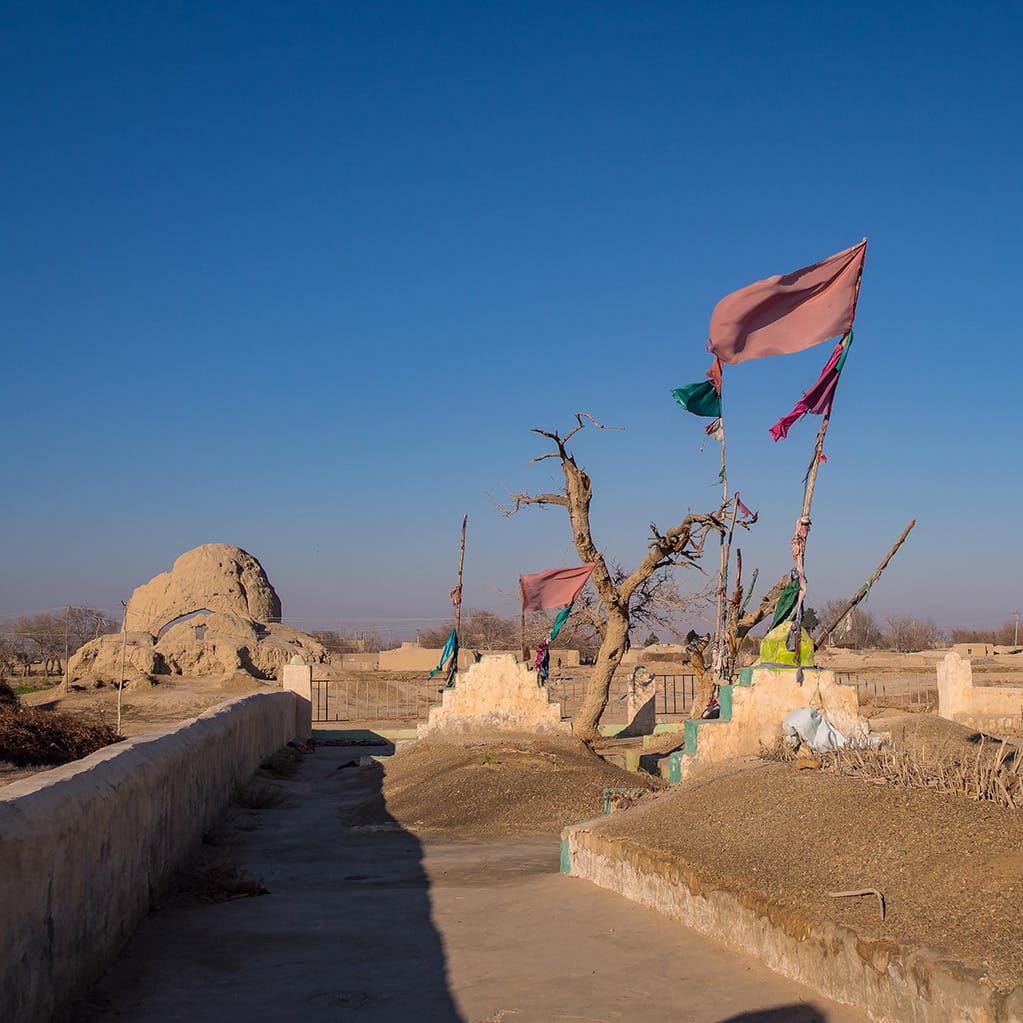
{"type": "Point", "coordinates": [302, 276]}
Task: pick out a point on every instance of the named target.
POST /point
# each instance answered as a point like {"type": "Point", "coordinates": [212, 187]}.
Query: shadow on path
{"type": "Point", "coordinates": [344, 933]}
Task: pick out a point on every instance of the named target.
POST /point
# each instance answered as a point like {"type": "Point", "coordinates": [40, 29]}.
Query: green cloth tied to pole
{"type": "Point", "coordinates": [700, 399]}
{"type": "Point", "coordinates": [786, 606]}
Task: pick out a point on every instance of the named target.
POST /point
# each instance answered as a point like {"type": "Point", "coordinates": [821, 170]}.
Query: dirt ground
{"type": "Point", "coordinates": [501, 785]}
{"type": "Point", "coordinates": [950, 869]}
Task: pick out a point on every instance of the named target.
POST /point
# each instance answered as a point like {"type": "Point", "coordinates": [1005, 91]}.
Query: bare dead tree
{"type": "Point", "coordinates": [682, 545]}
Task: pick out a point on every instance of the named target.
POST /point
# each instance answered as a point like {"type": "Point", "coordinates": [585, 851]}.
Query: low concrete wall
{"type": "Point", "coordinates": [984, 707]}
{"type": "Point", "coordinates": [753, 710]}
{"type": "Point", "coordinates": [888, 982]}
{"type": "Point", "coordinates": [85, 847]}
{"type": "Point", "coordinates": [499, 693]}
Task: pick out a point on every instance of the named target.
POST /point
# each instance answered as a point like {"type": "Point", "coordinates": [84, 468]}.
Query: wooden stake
{"type": "Point", "coordinates": [124, 646]}
{"type": "Point", "coordinates": [865, 588]}
{"type": "Point", "coordinates": [458, 589]}
{"type": "Point", "coordinates": [452, 671]}
{"type": "Point", "coordinates": [67, 673]}
{"type": "Point", "coordinates": [721, 628]}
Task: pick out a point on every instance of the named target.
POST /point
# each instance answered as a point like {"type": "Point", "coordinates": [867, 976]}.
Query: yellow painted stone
{"type": "Point", "coordinates": [774, 651]}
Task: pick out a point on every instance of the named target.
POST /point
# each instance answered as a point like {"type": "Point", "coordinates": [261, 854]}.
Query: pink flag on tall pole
{"type": "Point", "coordinates": [557, 587]}
{"type": "Point", "coordinates": [786, 314]}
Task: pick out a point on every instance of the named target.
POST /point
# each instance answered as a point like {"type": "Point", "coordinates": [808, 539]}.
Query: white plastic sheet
{"type": "Point", "coordinates": [816, 731]}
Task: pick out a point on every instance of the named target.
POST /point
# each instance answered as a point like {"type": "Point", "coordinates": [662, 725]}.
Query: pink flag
{"type": "Point", "coordinates": [818, 399]}
{"type": "Point", "coordinates": [787, 314]}
{"type": "Point", "coordinates": [557, 587]}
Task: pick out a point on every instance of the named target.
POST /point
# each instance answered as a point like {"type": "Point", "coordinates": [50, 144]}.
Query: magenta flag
{"type": "Point", "coordinates": [786, 314]}
{"type": "Point", "coordinates": [557, 587]}
{"type": "Point", "coordinates": [820, 397]}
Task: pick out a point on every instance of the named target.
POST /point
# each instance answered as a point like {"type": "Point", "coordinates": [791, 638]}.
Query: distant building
{"type": "Point", "coordinates": [973, 649]}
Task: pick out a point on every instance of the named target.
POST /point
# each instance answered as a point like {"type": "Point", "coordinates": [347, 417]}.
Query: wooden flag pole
{"type": "Point", "coordinates": [803, 525]}
{"type": "Point", "coordinates": [722, 626]}
{"type": "Point", "coordinates": [865, 588]}
{"type": "Point", "coordinates": [456, 599]}
{"type": "Point", "coordinates": [458, 588]}
{"type": "Point", "coordinates": [718, 637]}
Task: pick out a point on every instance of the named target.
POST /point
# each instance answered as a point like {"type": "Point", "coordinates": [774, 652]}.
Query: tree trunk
{"type": "Point", "coordinates": [609, 656]}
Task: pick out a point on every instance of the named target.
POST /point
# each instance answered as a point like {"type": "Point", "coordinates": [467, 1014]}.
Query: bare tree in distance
{"type": "Point", "coordinates": [858, 629]}
{"type": "Point", "coordinates": [87, 623]}
{"type": "Point", "coordinates": [1003, 635]}
{"type": "Point", "coordinates": [906, 634]}
{"type": "Point", "coordinates": [349, 641]}
{"type": "Point", "coordinates": [45, 635]}
{"type": "Point", "coordinates": [681, 545]}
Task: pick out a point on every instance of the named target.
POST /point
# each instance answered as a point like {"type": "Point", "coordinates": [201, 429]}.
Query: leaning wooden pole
{"type": "Point", "coordinates": [865, 588]}
{"type": "Point", "coordinates": [456, 599]}
{"type": "Point", "coordinates": [458, 587]}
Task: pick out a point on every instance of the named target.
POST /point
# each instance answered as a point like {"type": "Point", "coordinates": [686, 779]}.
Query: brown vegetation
{"type": "Point", "coordinates": [31, 737]}
{"type": "Point", "coordinates": [990, 773]}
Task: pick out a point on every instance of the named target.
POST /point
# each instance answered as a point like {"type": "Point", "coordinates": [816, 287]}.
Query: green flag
{"type": "Point", "coordinates": [700, 399]}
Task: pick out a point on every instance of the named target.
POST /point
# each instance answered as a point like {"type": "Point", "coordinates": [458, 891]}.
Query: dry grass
{"type": "Point", "coordinates": [285, 762]}
{"type": "Point", "coordinates": [217, 882]}
{"type": "Point", "coordinates": [30, 737]}
{"type": "Point", "coordinates": [992, 774]}
{"type": "Point", "coordinates": [258, 797]}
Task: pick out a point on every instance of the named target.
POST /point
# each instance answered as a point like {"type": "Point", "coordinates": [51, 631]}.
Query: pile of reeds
{"type": "Point", "coordinates": [30, 737]}
{"type": "Point", "coordinates": [993, 774]}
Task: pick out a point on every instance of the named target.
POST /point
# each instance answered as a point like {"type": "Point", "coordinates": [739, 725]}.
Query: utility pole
{"type": "Point", "coordinates": [67, 672]}
{"type": "Point", "coordinates": [1015, 634]}
{"type": "Point", "coordinates": [124, 647]}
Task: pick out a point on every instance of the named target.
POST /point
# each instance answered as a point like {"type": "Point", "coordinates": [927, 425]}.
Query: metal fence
{"type": "Point", "coordinates": [674, 696]}
{"type": "Point", "coordinates": [374, 699]}
{"type": "Point", "coordinates": [912, 691]}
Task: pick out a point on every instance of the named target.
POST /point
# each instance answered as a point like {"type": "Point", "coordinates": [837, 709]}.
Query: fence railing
{"type": "Point", "coordinates": [375, 699]}
{"type": "Point", "coordinates": [914, 691]}
{"type": "Point", "coordinates": [371, 699]}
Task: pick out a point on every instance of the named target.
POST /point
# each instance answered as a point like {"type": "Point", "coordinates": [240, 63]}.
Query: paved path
{"type": "Point", "coordinates": [371, 923]}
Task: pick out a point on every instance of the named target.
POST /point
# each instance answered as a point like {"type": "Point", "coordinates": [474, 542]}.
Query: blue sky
{"type": "Point", "coordinates": [301, 277]}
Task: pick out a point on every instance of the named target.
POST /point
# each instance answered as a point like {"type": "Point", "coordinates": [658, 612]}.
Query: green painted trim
{"type": "Point", "coordinates": [725, 700]}
{"type": "Point", "coordinates": [691, 726]}
{"type": "Point", "coordinates": [667, 726]}
{"type": "Point", "coordinates": [674, 767]}
{"type": "Point", "coordinates": [566, 858]}
{"type": "Point", "coordinates": [746, 676]}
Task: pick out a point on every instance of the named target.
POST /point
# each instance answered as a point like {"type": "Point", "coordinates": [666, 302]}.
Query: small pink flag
{"type": "Point", "coordinates": [786, 314]}
{"type": "Point", "coordinates": [557, 587]}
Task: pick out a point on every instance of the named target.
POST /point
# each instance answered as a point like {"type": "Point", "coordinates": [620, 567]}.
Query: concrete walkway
{"type": "Point", "coordinates": [365, 921]}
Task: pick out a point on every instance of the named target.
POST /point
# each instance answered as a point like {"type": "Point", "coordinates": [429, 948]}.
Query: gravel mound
{"type": "Point", "coordinates": [501, 785]}
{"type": "Point", "coordinates": [950, 869]}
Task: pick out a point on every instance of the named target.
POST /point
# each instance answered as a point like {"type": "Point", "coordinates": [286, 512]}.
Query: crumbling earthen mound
{"type": "Point", "coordinates": [214, 613]}
{"type": "Point", "coordinates": [213, 577]}
{"type": "Point", "coordinates": [501, 784]}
